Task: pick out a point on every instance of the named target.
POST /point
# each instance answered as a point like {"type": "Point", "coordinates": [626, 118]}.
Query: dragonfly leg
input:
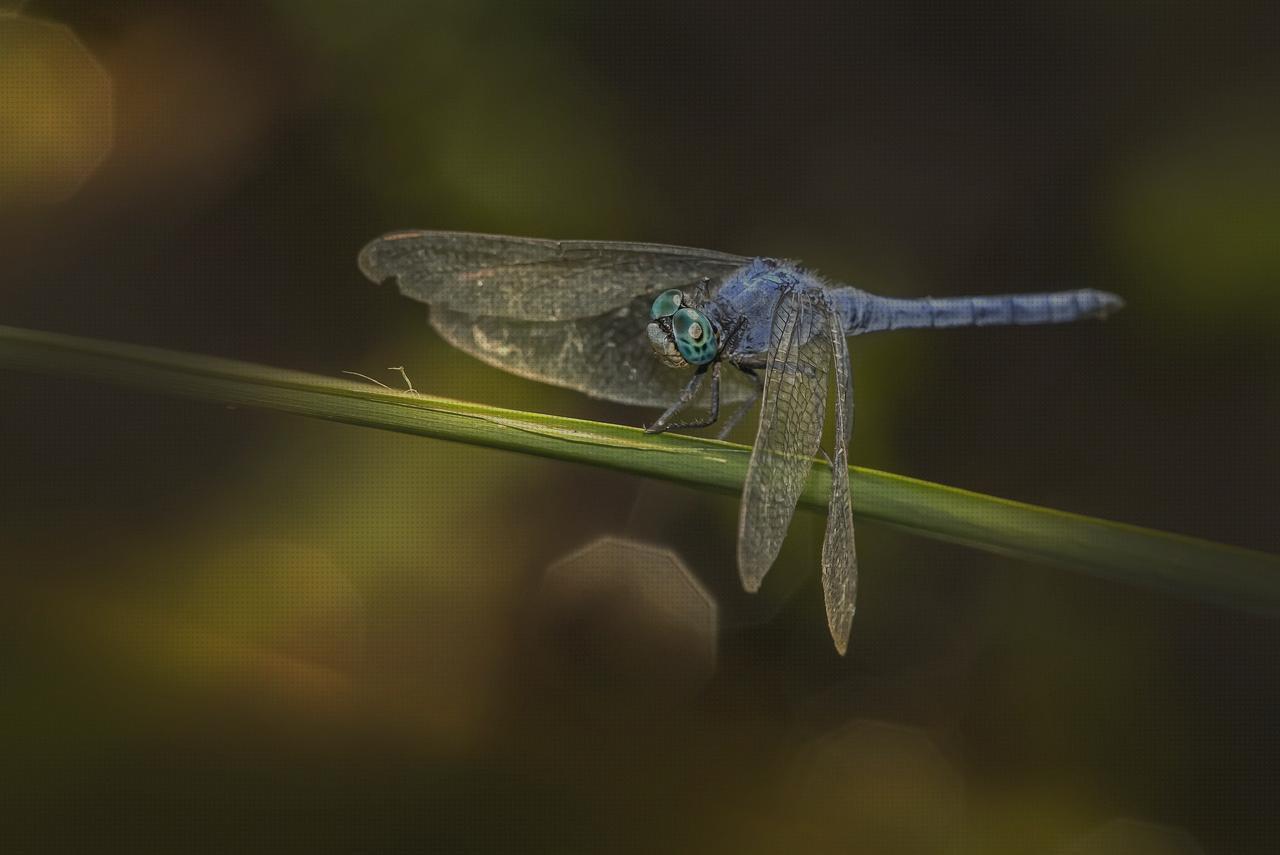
{"type": "Point", "coordinates": [746, 405]}
{"type": "Point", "coordinates": [664, 421]}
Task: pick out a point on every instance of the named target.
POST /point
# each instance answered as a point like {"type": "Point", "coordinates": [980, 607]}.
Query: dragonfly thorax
{"type": "Point", "coordinates": [680, 334]}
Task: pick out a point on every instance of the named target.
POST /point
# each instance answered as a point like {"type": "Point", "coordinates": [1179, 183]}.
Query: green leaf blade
{"type": "Point", "coordinates": [1195, 568]}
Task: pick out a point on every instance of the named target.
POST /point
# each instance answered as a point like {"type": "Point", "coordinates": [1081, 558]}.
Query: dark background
{"type": "Point", "coordinates": [228, 629]}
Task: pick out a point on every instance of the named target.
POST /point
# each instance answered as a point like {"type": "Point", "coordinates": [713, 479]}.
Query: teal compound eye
{"type": "Point", "coordinates": [694, 336]}
{"type": "Point", "coordinates": [666, 304]}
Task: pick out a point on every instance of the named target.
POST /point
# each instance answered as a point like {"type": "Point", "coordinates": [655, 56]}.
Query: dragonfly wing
{"type": "Point", "coordinates": [792, 411]}
{"type": "Point", "coordinates": [839, 560]}
{"type": "Point", "coordinates": [607, 356]}
{"type": "Point", "coordinates": [534, 279]}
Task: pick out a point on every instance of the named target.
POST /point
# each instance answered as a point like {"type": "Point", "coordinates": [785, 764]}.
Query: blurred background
{"type": "Point", "coordinates": [235, 630]}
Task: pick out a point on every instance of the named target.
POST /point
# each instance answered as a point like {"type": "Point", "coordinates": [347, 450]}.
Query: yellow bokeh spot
{"type": "Point", "coordinates": [55, 111]}
{"type": "Point", "coordinates": [1196, 219]}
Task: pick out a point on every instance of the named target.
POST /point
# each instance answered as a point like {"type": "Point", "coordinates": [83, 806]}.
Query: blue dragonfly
{"type": "Point", "coordinates": [618, 320]}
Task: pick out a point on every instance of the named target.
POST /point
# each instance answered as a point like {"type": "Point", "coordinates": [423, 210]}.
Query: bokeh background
{"type": "Point", "coordinates": [228, 630]}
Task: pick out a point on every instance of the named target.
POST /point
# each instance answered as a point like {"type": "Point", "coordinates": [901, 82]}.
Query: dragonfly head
{"type": "Point", "coordinates": [680, 334]}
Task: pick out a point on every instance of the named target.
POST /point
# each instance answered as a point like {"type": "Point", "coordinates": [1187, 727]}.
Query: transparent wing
{"type": "Point", "coordinates": [839, 560]}
{"type": "Point", "coordinates": [607, 356]}
{"type": "Point", "coordinates": [530, 278]}
{"type": "Point", "coordinates": [792, 411]}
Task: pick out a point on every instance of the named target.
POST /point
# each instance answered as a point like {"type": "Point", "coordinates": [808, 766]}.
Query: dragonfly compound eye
{"type": "Point", "coordinates": [666, 304]}
{"type": "Point", "coordinates": [694, 336]}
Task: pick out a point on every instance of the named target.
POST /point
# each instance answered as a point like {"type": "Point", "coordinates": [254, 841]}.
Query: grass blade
{"type": "Point", "coordinates": [1196, 568]}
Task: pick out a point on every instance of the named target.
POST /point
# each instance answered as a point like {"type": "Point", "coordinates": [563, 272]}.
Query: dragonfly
{"type": "Point", "coordinates": [649, 324]}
